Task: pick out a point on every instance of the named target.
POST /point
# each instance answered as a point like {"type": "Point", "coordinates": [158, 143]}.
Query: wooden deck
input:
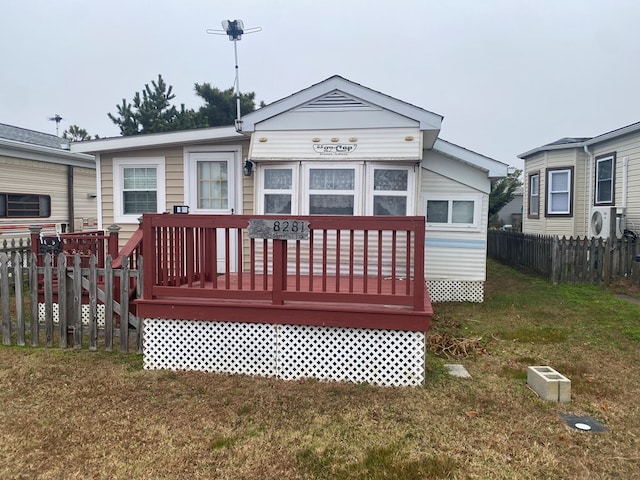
{"type": "Point", "coordinates": [361, 272]}
{"type": "Point", "coordinates": [311, 301]}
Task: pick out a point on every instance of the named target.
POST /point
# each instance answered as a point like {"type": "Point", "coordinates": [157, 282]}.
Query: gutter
{"type": "Point", "coordinates": [589, 200]}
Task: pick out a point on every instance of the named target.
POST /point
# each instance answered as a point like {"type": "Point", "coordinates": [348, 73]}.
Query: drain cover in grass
{"type": "Point", "coordinates": [586, 424]}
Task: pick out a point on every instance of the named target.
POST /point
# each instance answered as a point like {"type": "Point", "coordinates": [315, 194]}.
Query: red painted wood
{"type": "Point", "coordinates": [185, 271]}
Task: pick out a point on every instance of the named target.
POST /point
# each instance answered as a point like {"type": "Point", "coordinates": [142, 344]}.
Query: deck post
{"type": "Point", "coordinates": [113, 241]}
{"type": "Point", "coordinates": [418, 267]}
{"type": "Point", "coordinates": [279, 270]}
{"type": "Point", "coordinates": [34, 234]}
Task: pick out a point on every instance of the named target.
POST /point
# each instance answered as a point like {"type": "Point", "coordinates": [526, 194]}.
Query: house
{"type": "Point", "coordinates": [510, 216]}
{"type": "Point", "coordinates": [309, 232]}
{"type": "Point", "coordinates": [379, 155]}
{"type": "Point", "coordinates": [586, 186]}
{"type": "Point", "coordinates": [42, 182]}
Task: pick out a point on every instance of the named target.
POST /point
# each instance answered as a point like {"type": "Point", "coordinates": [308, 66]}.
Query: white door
{"type": "Point", "coordinates": [210, 181]}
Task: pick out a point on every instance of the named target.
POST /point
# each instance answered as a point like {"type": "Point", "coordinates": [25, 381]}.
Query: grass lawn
{"type": "Point", "coordinates": [68, 414]}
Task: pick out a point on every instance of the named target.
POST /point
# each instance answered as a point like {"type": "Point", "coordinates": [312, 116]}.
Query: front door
{"type": "Point", "coordinates": [211, 189]}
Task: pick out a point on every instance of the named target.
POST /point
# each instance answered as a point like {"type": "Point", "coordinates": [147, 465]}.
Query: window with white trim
{"type": "Point", "coordinates": [453, 212]}
{"type": "Point", "coordinates": [139, 187]}
{"type": "Point", "coordinates": [559, 191]}
{"type": "Point", "coordinates": [605, 179]}
{"type": "Point", "coordinates": [277, 185]}
{"type": "Point", "coordinates": [330, 188]}
{"type": "Point", "coordinates": [534, 195]}
{"type": "Point", "coordinates": [390, 186]}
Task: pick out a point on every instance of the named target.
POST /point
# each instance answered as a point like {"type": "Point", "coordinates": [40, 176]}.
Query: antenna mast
{"type": "Point", "coordinates": [56, 118]}
{"type": "Point", "coordinates": [234, 29]}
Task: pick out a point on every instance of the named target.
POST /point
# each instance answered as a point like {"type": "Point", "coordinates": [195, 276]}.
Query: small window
{"type": "Point", "coordinates": [454, 213]}
{"type": "Point", "coordinates": [534, 195]}
{"type": "Point", "coordinates": [390, 188]}
{"type": "Point", "coordinates": [138, 188]}
{"type": "Point", "coordinates": [24, 205]}
{"type": "Point", "coordinates": [213, 185]}
{"type": "Point", "coordinates": [605, 179]}
{"type": "Point", "coordinates": [559, 191]}
{"type": "Point", "coordinates": [278, 190]}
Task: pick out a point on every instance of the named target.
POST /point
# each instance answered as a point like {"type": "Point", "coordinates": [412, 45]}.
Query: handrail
{"type": "Point", "coordinates": [133, 245]}
{"type": "Point", "coordinates": [190, 257]}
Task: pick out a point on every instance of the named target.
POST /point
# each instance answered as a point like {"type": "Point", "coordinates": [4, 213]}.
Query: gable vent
{"type": "Point", "coordinates": [336, 101]}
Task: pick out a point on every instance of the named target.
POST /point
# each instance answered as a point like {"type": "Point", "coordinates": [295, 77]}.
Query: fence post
{"type": "Point", "coordinates": [19, 287]}
{"type": "Point", "coordinates": [555, 264]}
{"type": "Point", "coordinates": [33, 292]}
{"type": "Point", "coordinates": [4, 296]}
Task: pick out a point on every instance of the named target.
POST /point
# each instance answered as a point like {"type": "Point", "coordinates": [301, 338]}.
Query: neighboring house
{"type": "Point", "coordinates": [335, 148]}
{"type": "Point", "coordinates": [43, 183]}
{"type": "Point", "coordinates": [511, 214]}
{"type": "Point", "coordinates": [584, 186]}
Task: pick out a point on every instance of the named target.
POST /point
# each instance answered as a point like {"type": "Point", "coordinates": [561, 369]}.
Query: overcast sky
{"type": "Point", "coordinates": [507, 75]}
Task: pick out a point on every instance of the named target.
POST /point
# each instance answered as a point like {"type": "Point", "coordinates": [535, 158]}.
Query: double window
{"type": "Point", "coordinates": [24, 205]}
{"type": "Point", "coordinates": [453, 212]}
{"type": "Point", "coordinates": [336, 189]}
{"type": "Point", "coordinates": [559, 192]}
{"type": "Point", "coordinates": [605, 179]}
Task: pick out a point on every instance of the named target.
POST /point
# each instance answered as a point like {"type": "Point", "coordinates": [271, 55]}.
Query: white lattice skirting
{"type": "Point", "coordinates": [379, 357]}
{"type": "Point", "coordinates": [455, 291]}
{"type": "Point", "coordinates": [85, 314]}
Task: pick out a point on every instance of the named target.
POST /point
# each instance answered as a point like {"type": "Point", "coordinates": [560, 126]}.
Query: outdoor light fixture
{"type": "Point", "coordinates": [247, 168]}
{"type": "Point", "coordinates": [181, 209]}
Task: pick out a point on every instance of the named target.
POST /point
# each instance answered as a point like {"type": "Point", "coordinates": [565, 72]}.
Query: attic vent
{"type": "Point", "coordinates": [336, 101]}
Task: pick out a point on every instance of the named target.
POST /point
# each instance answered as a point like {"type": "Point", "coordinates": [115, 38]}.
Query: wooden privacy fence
{"type": "Point", "coordinates": [568, 260]}
{"type": "Point", "coordinates": [68, 304]}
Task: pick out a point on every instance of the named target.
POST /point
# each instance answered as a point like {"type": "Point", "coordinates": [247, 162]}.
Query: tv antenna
{"type": "Point", "coordinates": [56, 118]}
{"type": "Point", "coordinates": [234, 29]}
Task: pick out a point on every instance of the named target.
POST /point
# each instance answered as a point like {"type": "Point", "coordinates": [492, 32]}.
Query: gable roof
{"type": "Point", "coordinates": [338, 93]}
{"type": "Point", "coordinates": [38, 146]}
{"type": "Point", "coordinates": [581, 142]}
{"type": "Point", "coordinates": [494, 168]}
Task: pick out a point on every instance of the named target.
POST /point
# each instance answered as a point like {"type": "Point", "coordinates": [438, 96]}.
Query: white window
{"type": "Point", "coordinates": [453, 212]}
{"type": "Point", "coordinates": [534, 194]}
{"type": "Point", "coordinates": [328, 188]}
{"type": "Point", "coordinates": [331, 189]}
{"type": "Point", "coordinates": [139, 187]}
{"type": "Point", "coordinates": [605, 168]}
{"type": "Point", "coordinates": [278, 183]}
{"type": "Point", "coordinates": [559, 191]}
{"type": "Point", "coordinates": [390, 190]}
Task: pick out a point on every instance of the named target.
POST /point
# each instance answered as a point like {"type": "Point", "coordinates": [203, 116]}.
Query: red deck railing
{"type": "Point", "coordinates": [346, 260]}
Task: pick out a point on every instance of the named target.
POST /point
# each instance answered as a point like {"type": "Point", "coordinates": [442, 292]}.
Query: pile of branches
{"type": "Point", "coordinates": [453, 347]}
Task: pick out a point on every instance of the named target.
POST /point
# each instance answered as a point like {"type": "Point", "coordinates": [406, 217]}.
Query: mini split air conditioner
{"type": "Point", "coordinates": [607, 222]}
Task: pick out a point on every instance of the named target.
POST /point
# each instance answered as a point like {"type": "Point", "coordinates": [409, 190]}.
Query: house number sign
{"type": "Point", "coordinates": [279, 229]}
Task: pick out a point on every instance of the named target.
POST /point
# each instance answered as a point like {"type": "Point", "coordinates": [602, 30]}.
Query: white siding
{"type": "Point", "coordinates": [370, 144]}
{"type": "Point", "coordinates": [455, 255]}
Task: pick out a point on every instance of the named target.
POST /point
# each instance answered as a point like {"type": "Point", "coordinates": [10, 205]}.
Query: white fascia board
{"type": "Point", "coordinates": [157, 139]}
{"type": "Point", "coordinates": [40, 153]}
{"type": "Point", "coordinates": [494, 168]}
{"type": "Point", "coordinates": [614, 134]}
{"type": "Point", "coordinates": [548, 148]}
{"type": "Point", "coordinates": [427, 120]}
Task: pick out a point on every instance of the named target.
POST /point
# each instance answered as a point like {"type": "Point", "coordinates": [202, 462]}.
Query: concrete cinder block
{"type": "Point", "coordinates": [549, 384]}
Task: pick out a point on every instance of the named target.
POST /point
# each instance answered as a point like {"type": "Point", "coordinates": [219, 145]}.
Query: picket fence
{"type": "Point", "coordinates": [568, 260]}
{"type": "Point", "coordinates": [68, 305]}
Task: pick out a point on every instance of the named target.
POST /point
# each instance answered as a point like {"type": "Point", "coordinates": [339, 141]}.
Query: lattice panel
{"type": "Point", "coordinates": [455, 291]}
{"type": "Point", "coordinates": [210, 346]}
{"type": "Point", "coordinates": [380, 357]}
{"type": "Point", "coordinates": [85, 314]}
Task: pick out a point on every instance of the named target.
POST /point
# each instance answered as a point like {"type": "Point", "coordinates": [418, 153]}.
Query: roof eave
{"type": "Point", "coordinates": [163, 139]}
{"type": "Point", "coordinates": [45, 154]}
{"type": "Point", "coordinates": [493, 168]}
